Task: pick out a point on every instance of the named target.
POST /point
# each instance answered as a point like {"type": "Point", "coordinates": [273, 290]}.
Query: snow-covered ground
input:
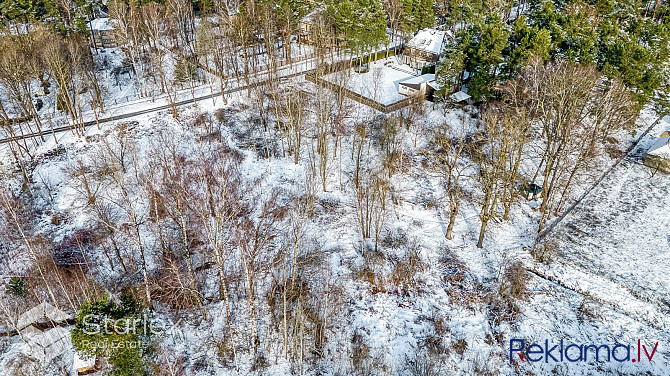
{"type": "Point", "coordinates": [608, 285]}
{"type": "Point", "coordinates": [379, 83]}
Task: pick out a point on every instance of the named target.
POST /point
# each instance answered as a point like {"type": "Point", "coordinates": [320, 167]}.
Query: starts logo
{"type": "Point", "coordinates": [573, 352]}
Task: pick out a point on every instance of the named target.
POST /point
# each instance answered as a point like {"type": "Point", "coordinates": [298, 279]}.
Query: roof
{"type": "Point", "coordinates": [429, 40]}
{"type": "Point", "coordinates": [459, 96]}
{"type": "Point", "coordinates": [434, 84]}
{"type": "Point", "coordinates": [660, 147]}
{"type": "Point", "coordinates": [42, 313]}
{"type": "Point", "coordinates": [101, 24]}
{"type": "Point", "coordinates": [418, 79]}
{"type": "Point", "coordinates": [309, 17]}
{"type": "Point", "coordinates": [30, 330]}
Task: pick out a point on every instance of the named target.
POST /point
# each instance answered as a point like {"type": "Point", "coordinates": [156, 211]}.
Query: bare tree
{"type": "Point", "coordinates": [492, 159]}
{"type": "Point", "coordinates": [20, 64]}
{"type": "Point", "coordinates": [289, 109]}
{"type": "Point", "coordinates": [371, 198]}
{"type": "Point", "coordinates": [451, 143]}
{"type": "Point", "coordinates": [254, 238]}
{"type": "Point", "coordinates": [129, 34]}
{"type": "Point", "coordinates": [125, 197]}
{"type": "Point", "coordinates": [9, 209]}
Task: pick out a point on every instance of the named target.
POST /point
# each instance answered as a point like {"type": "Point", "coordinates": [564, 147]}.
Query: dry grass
{"type": "Point", "coordinates": [511, 289]}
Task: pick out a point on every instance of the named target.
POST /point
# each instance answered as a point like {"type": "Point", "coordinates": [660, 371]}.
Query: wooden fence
{"type": "Point", "coordinates": [312, 77]}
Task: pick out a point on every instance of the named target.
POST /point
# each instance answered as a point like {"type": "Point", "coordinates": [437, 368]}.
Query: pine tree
{"type": "Point", "coordinates": [360, 23]}
{"type": "Point", "coordinates": [417, 15]}
{"type": "Point", "coordinates": [486, 57]}
{"type": "Point", "coordinates": [527, 42]}
{"type": "Point", "coordinates": [425, 14]}
{"type": "Point", "coordinates": [450, 71]}
{"type": "Point", "coordinates": [115, 331]}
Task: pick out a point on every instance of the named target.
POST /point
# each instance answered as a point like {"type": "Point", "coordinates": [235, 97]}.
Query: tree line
{"type": "Point", "coordinates": [627, 41]}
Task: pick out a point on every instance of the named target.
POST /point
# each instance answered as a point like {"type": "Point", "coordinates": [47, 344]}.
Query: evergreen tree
{"type": "Point", "coordinates": [449, 72]}
{"type": "Point", "coordinates": [361, 24]}
{"type": "Point", "coordinates": [485, 57]}
{"type": "Point", "coordinates": [527, 42]}
{"type": "Point", "coordinates": [417, 15]}
{"type": "Point", "coordinates": [115, 331]}
{"type": "Point", "coordinates": [619, 37]}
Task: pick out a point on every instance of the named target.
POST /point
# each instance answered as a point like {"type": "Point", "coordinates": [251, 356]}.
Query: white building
{"type": "Point", "coordinates": [424, 48]}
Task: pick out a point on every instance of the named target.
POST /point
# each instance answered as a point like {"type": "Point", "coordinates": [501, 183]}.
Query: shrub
{"type": "Point", "coordinates": [512, 287]}
{"type": "Point", "coordinates": [225, 351]}
{"type": "Point", "coordinates": [405, 270]}
{"type": "Point", "coordinates": [114, 331]}
{"type": "Point", "coordinates": [423, 365]}
{"type": "Point", "coordinates": [395, 239]}
{"type": "Point", "coordinates": [514, 281]}
{"type": "Point", "coordinates": [460, 346]}
{"type": "Point", "coordinates": [17, 286]}
{"type": "Point", "coordinates": [23, 365]}
{"type": "Point", "coordinates": [588, 309]}
{"type": "Point", "coordinates": [260, 363]}
{"type": "Point", "coordinates": [482, 366]}
{"type": "Point", "coordinates": [69, 250]}
{"type": "Point", "coordinates": [220, 115]}
{"type": "Point", "coordinates": [546, 253]}
{"type": "Point", "coordinates": [167, 288]}
{"type": "Point", "coordinates": [360, 354]}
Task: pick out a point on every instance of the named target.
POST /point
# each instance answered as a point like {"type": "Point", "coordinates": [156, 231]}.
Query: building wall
{"type": "Point", "coordinates": [104, 38]}
{"type": "Point", "coordinates": [418, 59]}
{"type": "Point", "coordinates": [657, 163]}
{"type": "Point", "coordinates": [412, 89]}
{"type": "Point", "coordinates": [406, 90]}
{"type": "Point", "coordinates": [305, 34]}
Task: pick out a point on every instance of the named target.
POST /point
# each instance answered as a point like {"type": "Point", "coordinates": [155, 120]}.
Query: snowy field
{"type": "Point", "coordinates": [621, 231]}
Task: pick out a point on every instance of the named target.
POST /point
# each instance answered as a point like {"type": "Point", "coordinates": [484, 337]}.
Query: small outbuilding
{"type": "Point", "coordinates": [423, 85]}
{"type": "Point", "coordinates": [460, 97]}
{"type": "Point", "coordinates": [658, 155]}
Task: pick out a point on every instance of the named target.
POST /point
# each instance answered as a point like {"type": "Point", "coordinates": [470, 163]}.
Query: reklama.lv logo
{"type": "Point", "coordinates": [579, 352]}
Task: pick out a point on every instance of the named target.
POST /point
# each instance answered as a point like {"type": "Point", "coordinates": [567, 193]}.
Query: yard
{"type": "Point", "coordinates": [380, 83]}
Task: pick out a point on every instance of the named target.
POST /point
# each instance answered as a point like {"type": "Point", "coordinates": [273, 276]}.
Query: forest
{"type": "Point", "coordinates": [191, 174]}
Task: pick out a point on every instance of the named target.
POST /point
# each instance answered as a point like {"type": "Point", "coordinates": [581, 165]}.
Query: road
{"type": "Point", "coordinates": [307, 62]}
{"type": "Point", "coordinates": [147, 110]}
